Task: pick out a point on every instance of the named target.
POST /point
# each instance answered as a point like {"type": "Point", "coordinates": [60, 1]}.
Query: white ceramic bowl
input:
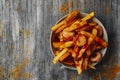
{"type": "Point", "coordinates": [105, 37]}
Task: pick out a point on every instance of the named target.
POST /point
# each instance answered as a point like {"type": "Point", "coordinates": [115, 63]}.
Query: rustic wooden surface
{"type": "Point", "coordinates": [25, 39]}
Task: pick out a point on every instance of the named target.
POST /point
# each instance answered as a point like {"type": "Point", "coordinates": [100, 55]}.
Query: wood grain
{"type": "Point", "coordinates": [25, 27]}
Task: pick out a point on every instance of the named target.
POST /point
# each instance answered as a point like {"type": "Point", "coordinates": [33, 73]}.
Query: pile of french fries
{"type": "Point", "coordinates": [76, 38]}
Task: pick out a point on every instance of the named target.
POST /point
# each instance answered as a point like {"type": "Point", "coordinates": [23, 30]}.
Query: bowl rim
{"type": "Point", "coordinates": [105, 37]}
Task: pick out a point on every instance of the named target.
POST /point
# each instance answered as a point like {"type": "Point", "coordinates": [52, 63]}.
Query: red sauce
{"type": "Point", "coordinates": [77, 24]}
{"type": "Point", "coordinates": [104, 44]}
{"type": "Point", "coordinates": [99, 40]}
{"type": "Point", "coordinates": [85, 46]}
{"type": "Point", "coordinates": [55, 38]}
{"type": "Point", "coordinates": [69, 60]}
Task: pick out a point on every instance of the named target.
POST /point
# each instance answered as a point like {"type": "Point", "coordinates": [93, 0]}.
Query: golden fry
{"type": "Point", "coordinates": [72, 15]}
{"type": "Point", "coordinates": [61, 28]}
{"type": "Point", "coordinates": [91, 66]}
{"type": "Point", "coordinates": [88, 51]}
{"type": "Point", "coordinates": [58, 25]}
{"type": "Point", "coordinates": [95, 46]}
{"type": "Point", "coordinates": [66, 44]}
{"type": "Point", "coordinates": [85, 63]}
{"type": "Point", "coordinates": [69, 18]}
{"type": "Point", "coordinates": [80, 23]}
{"type": "Point", "coordinates": [89, 16]}
{"type": "Point", "coordinates": [79, 66]}
{"type": "Point", "coordinates": [56, 44]}
{"type": "Point", "coordinates": [57, 52]}
{"type": "Point", "coordinates": [84, 28]}
{"type": "Point", "coordinates": [97, 39]}
{"type": "Point", "coordinates": [92, 24]}
{"type": "Point", "coordinates": [61, 36]}
{"type": "Point", "coordinates": [73, 54]}
{"type": "Point", "coordinates": [55, 60]}
{"type": "Point", "coordinates": [85, 60]}
{"type": "Point", "coordinates": [64, 26]}
{"type": "Point", "coordinates": [65, 56]}
{"type": "Point", "coordinates": [77, 24]}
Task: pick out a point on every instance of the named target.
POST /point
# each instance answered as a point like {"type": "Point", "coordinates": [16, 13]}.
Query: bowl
{"type": "Point", "coordinates": [82, 14]}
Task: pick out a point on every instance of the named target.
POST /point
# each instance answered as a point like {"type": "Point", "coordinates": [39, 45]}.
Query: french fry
{"type": "Point", "coordinates": [58, 25]}
{"type": "Point", "coordinates": [65, 56]}
{"type": "Point", "coordinates": [90, 39]}
{"type": "Point", "coordinates": [69, 18]}
{"type": "Point", "coordinates": [56, 44]}
{"type": "Point", "coordinates": [73, 54]}
{"type": "Point", "coordinates": [85, 60]}
{"type": "Point", "coordinates": [89, 16]}
{"type": "Point", "coordinates": [72, 15]}
{"type": "Point", "coordinates": [57, 52]}
{"type": "Point", "coordinates": [76, 50]}
{"type": "Point", "coordinates": [84, 28]}
{"type": "Point", "coordinates": [55, 60]}
{"type": "Point", "coordinates": [80, 23]}
{"type": "Point", "coordinates": [64, 26]}
{"type": "Point", "coordinates": [66, 44]}
{"type": "Point", "coordinates": [60, 36]}
{"type": "Point", "coordinates": [76, 25]}
{"type": "Point", "coordinates": [79, 65]}
{"type": "Point", "coordinates": [95, 46]}
{"type": "Point", "coordinates": [91, 66]}
{"type": "Point", "coordinates": [92, 24]}
{"type": "Point", "coordinates": [97, 39]}
{"type": "Point", "coordinates": [85, 63]}
{"type": "Point", "coordinates": [88, 51]}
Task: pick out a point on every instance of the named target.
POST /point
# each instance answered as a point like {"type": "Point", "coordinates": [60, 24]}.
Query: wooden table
{"type": "Point", "coordinates": [25, 39]}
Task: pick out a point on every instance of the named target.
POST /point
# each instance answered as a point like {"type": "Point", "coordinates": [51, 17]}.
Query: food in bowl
{"type": "Point", "coordinates": [78, 40]}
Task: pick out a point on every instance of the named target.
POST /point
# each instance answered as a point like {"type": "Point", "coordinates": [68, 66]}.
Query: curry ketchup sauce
{"type": "Point", "coordinates": [69, 61]}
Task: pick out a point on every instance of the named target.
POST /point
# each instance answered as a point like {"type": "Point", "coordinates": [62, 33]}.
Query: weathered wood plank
{"type": "Point", "coordinates": [25, 27]}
